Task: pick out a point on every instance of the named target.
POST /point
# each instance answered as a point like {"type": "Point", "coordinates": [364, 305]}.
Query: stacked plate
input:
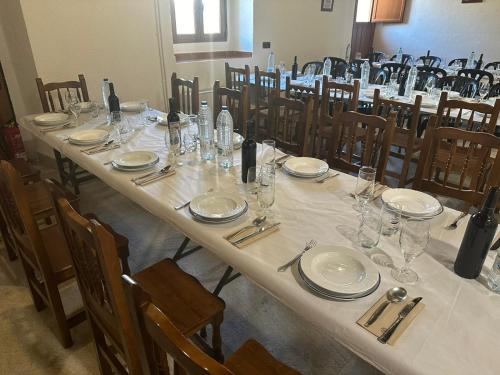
{"type": "Point", "coordinates": [88, 137]}
{"type": "Point", "coordinates": [338, 273]}
{"type": "Point", "coordinates": [217, 207]}
{"type": "Point", "coordinates": [52, 119]}
{"type": "Point", "coordinates": [413, 203]}
{"type": "Point", "coordinates": [135, 161]}
{"type": "Point", "coordinates": [305, 167]}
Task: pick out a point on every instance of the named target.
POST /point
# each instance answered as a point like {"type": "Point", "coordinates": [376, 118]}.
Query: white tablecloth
{"type": "Point", "coordinates": [457, 332]}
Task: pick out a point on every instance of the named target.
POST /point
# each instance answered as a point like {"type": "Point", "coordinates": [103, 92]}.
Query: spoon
{"type": "Point", "coordinates": [255, 223]}
{"type": "Point", "coordinates": [393, 295]}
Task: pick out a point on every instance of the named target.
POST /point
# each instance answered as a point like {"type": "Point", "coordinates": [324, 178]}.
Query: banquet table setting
{"type": "Point", "coordinates": [337, 284]}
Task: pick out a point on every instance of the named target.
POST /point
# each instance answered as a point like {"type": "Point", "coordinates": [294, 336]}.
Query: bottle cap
{"type": "Point", "coordinates": [225, 108]}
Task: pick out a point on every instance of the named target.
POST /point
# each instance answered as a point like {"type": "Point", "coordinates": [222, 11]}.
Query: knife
{"type": "Point", "coordinates": [405, 311]}
{"type": "Point", "coordinates": [257, 232]}
{"type": "Point", "coordinates": [496, 245]}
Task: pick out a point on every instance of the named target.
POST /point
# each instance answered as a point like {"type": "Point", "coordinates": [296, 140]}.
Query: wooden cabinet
{"type": "Point", "coordinates": [388, 10]}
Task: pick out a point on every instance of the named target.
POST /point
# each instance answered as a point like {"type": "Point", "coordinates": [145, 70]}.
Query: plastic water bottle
{"type": "Point", "coordinates": [271, 62]}
{"type": "Point", "coordinates": [365, 75]}
{"type": "Point", "coordinates": [105, 93]}
{"type": "Point", "coordinates": [327, 67]}
{"type": "Point", "coordinates": [471, 61]}
{"type": "Point", "coordinates": [206, 132]}
{"type": "Point", "coordinates": [410, 81]}
{"type": "Point", "coordinates": [225, 138]}
{"type": "Point", "coordinates": [399, 56]}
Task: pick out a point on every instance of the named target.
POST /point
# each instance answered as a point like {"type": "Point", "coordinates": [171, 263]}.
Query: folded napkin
{"type": "Point", "coordinates": [234, 239]}
{"type": "Point", "coordinates": [389, 315]}
{"type": "Point", "coordinates": [100, 149]}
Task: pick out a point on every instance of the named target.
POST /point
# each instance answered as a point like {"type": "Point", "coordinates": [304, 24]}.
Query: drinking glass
{"type": "Point", "coordinates": [429, 85]}
{"type": "Point", "coordinates": [393, 84]}
{"type": "Point", "coordinates": [268, 154]}
{"type": "Point", "coordinates": [391, 218]}
{"type": "Point", "coordinates": [413, 240]}
{"type": "Point", "coordinates": [364, 187]}
{"type": "Point", "coordinates": [266, 188]}
{"type": "Point", "coordinates": [94, 110]}
{"type": "Point", "coordinates": [282, 68]}
{"type": "Point", "coordinates": [73, 104]}
{"type": "Point", "coordinates": [191, 134]}
{"type": "Point", "coordinates": [370, 227]}
{"type": "Point", "coordinates": [252, 184]}
{"type": "Point", "coordinates": [143, 113]}
{"type": "Point", "coordinates": [484, 89]}
{"type": "Point", "coordinates": [348, 78]}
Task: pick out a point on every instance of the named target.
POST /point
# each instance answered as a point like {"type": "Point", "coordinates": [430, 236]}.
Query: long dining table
{"type": "Point", "coordinates": [457, 331]}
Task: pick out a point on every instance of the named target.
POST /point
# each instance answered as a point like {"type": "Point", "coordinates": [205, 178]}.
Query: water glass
{"type": "Point", "coordinates": [369, 228]}
{"type": "Point", "coordinates": [73, 104]}
{"type": "Point", "coordinates": [391, 218]}
{"type": "Point", "coordinates": [348, 78]}
{"type": "Point", "coordinates": [365, 185]}
{"type": "Point", "coordinates": [252, 184]}
{"type": "Point", "coordinates": [429, 85]}
{"type": "Point", "coordinates": [191, 134]}
{"type": "Point", "coordinates": [494, 275]}
{"type": "Point", "coordinates": [94, 110]}
{"type": "Point", "coordinates": [282, 68]}
{"type": "Point", "coordinates": [266, 187]}
{"type": "Point", "coordinates": [268, 154]}
{"type": "Point", "coordinates": [413, 240]}
{"type": "Point", "coordinates": [143, 113]}
{"type": "Point", "coordinates": [484, 90]}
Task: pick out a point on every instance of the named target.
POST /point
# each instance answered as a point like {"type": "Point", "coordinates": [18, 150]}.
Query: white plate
{"type": "Point", "coordinates": [51, 119]}
{"type": "Point", "coordinates": [219, 221]}
{"type": "Point", "coordinates": [88, 137]}
{"type": "Point", "coordinates": [339, 270]}
{"type": "Point", "coordinates": [136, 159]}
{"type": "Point", "coordinates": [162, 119]}
{"type": "Point", "coordinates": [217, 205]}
{"type": "Point", "coordinates": [306, 167]}
{"type": "Point", "coordinates": [134, 106]}
{"type": "Point", "coordinates": [237, 140]}
{"type": "Point", "coordinates": [135, 169]}
{"type": "Point", "coordinates": [413, 202]}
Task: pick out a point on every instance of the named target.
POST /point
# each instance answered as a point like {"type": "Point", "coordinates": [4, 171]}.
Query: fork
{"type": "Point", "coordinates": [454, 225]}
{"type": "Point", "coordinates": [309, 246]}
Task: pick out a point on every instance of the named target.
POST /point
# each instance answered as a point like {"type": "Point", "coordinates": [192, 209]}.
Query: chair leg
{"type": "Point", "coordinates": [99, 339]}
{"type": "Point", "coordinates": [59, 314]}
{"type": "Point", "coordinates": [7, 239]}
{"type": "Point", "coordinates": [31, 277]}
{"type": "Point", "coordinates": [406, 167]}
{"type": "Point", "coordinates": [60, 167]}
{"type": "Point", "coordinates": [216, 338]}
{"type": "Point", "coordinates": [72, 177]}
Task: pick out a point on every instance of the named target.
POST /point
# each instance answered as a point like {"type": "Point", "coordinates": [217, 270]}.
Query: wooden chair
{"type": "Point", "coordinates": [406, 59]}
{"type": "Point", "coordinates": [186, 94]}
{"type": "Point", "coordinates": [332, 93]}
{"type": "Point", "coordinates": [493, 65]}
{"type": "Point", "coordinates": [99, 269]}
{"type": "Point", "coordinates": [440, 73]}
{"type": "Point", "coordinates": [290, 124]}
{"type": "Point", "coordinates": [339, 66]}
{"type": "Point", "coordinates": [41, 246]}
{"type": "Point", "coordinates": [472, 116]}
{"type": "Point", "coordinates": [349, 149]}
{"type": "Point", "coordinates": [467, 87]}
{"type": "Point", "coordinates": [452, 170]}
{"type": "Point", "coordinates": [238, 103]}
{"type": "Point", "coordinates": [430, 61]}
{"type": "Point", "coordinates": [160, 336]}
{"type": "Point", "coordinates": [51, 97]}
{"type": "Point", "coordinates": [405, 132]}
{"type": "Point", "coordinates": [236, 78]}
{"type": "Point", "coordinates": [463, 62]}
{"type": "Point", "coordinates": [267, 85]}
{"type": "Point", "coordinates": [318, 67]}
{"type": "Point", "coordinates": [400, 69]}
{"type": "Point", "coordinates": [477, 74]}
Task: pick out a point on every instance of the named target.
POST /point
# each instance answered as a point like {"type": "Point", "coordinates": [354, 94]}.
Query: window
{"type": "Point", "coordinates": [196, 21]}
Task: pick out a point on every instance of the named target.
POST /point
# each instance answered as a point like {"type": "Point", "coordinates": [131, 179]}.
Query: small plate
{"type": "Point", "coordinates": [135, 169]}
{"type": "Point", "coordinates": [305, 167]}
{"type": "Point", "coordinates": [88, 137]}
{"type": "Point", "coordinates": [218, 221]}
{"type": "Point", "coordinates": [136, 159]}
{"type": "Point", "coordinates": [51, 119]}
{"type": "Point", "coordinates": [217, 205]}
{"type": "Point", "coordinates": [414, 203]}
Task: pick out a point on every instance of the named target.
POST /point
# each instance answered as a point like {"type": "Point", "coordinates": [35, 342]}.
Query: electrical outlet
{"type": "Point", "coordinates": [266, 45]}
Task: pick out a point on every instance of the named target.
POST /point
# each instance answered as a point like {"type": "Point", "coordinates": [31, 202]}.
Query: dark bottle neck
{"type": "Point", "coordinates": [491, 200]}
{"type": "Point", "coordinates": [250, 130]}
{"type": "Point", "coordinates": [111, 89]}
{"type": "Point", "coordinates": [295, 60]}
{"type": "Point", "coordinates": [171, 104]}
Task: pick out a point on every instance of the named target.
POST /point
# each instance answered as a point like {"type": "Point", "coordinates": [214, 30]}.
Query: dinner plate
{"type": "Point", "coordinates": [136, 159]}
{"type": "Point", "coordinates": [134, 106]}
{"type": "Point", "coordinates": [217, 205]}
{"type": "Point", "coordinates": [136, 169]}
{"type": "Point", "coordinates": [219, 221]}
{"type": "Point", "coordinates": [51, 119]}
{"type": "Point", "coordinates": [162, 119]}
{"type": "Point", "coordinates": [339, 270]}
{"type": "Point", "coordinates": [413, 203]}
{"type": "Point", "coordinates": [237, 140]}
{"type": "Point", "coordinates": [88, 137]}
{"type": "Point", "coordinates": [305, 167]}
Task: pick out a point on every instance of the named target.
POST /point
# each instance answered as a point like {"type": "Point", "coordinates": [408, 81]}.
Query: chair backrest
{"type": "Point", "coordinates": [458, 163]}
{"type": "Point", "coordinates": [477, 74]}
{"type": "Point", "coordinates": [267, 84]}
{"type": "Point", "coordinates": [375, 56]}
{"type": "Point", "coordinates": [318, 66]}
{"type": "Point", "coordinates": [348, 94]}
{"type": "Point", "coordinates": [439, 72]}
{"type": "Point", "coordinates": [393, 67]}
{"type": "Point", "coordinates": [159, 336]}
{"type": "Point", "coordinates": [236, 78]}
{"type": "Point", "coordinates": [52, 94]}
{"type": "Point", "coordinates": [378, 76]}
{"type": "Point", "coordinates": [98, 270]}
{"type": "Point", "coordinates": [423, 78]}
{"type": "Point", "coordinates": [467, 87]}
{"type": "Point", "coordinates": [430, 61]}
{"type": "Point", "coordinates": [355, 67]}
{"type": "Point", "coordinates": [494, 91]}
{"type": "Point", "coordinates": [406, 59]}
{"type": "Point", "coordinates": [360, 140]}
{"type": "Point", "coordinates": [290, 124]}
{"type": "Point", "coordinates": [238, 103]}
{"type": "Point", "coordinates": [339, 66]}
{"type": "Point", "coordinates": [186, 94]}
{"type": "Point", "coordinates": [493, 65]}
{"type": "Point", "coordinates": [463, 62]}
{"type": "Point", "coordinates": [468, 115]}
{"type": "Point", "coordinates": [407, 114]}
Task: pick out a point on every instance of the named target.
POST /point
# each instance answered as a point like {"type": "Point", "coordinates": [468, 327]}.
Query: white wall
{"type": "Point", "coordinates": [448, 28]}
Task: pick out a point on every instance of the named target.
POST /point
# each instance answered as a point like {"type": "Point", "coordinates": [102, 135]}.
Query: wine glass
{"type": "Point", "coordinates": [365, 185]}
{"type": "Point", "coordinates": [413, 240]}
{"type": "Point", "coordinates": [73, 104]}
{"type": "Point", "coordinates": [429, 85]}
{"type": "Point", "coordinates": [266, 188]}
{"type": "Point", "coordinates": [484, 90]}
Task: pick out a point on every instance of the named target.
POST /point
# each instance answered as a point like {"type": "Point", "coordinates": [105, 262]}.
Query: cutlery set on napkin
{"type": "Point", "coordinates": [377, 191]}
{"type": "Point", "coordinates": [109, 145]}
{"type": "Point", "coordinates": [153, 176]}
{"type": "Point", "coordinates": [251, 233]}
